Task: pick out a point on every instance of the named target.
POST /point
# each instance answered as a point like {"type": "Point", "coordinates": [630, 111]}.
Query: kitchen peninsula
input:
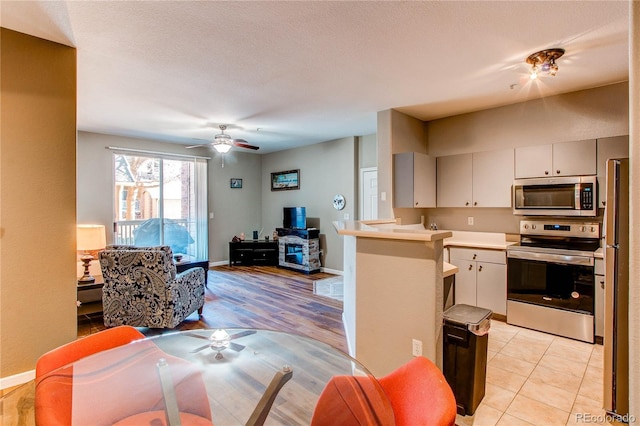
{"type": "Point", "coordinates": [393, 292]}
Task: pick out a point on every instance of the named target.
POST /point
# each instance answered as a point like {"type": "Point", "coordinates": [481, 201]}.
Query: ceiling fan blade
{"type": "Point", "coordinates": [236, 347]}
{"type": "Point", "coordinates": [242, 334]}
{"type": "Point", "coordinates": [196, 350]}
{"type": "Point", "coordinates": [242, 144]}
{"type": "Point", "coordinates": [197, 146]}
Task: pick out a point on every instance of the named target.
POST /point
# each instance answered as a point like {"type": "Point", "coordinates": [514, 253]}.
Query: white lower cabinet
{"type": "Point", "coordinates": [482, 278]}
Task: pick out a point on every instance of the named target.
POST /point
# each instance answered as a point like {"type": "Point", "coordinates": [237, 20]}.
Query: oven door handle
{"type": "Point", "coordinates": [548, 257]}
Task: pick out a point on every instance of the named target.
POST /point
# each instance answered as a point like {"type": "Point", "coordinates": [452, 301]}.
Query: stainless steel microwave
{"type": "Point", "coordinates": [556, 196]}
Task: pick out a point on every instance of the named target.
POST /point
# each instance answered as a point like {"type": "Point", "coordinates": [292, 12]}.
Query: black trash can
{"type": "Point", "coordinates": [466, 336]}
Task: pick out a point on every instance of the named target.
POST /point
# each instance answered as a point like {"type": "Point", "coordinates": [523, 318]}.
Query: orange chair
{"type": "Point", "coordinates": [72, 390]}
{"type": "Point", "coordinates": [420, 394]}
{"type": "Point", "coordinates": [101, 341]}
{"type": "Point", "coordinates": [417, 392]}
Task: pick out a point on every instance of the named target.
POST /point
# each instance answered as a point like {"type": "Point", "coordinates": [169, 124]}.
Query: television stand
{"type": "Point", "coordinates": [299, 249]}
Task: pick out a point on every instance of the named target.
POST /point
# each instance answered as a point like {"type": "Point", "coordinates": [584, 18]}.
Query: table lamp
{"type": "Point", "coordinates": [91, 238]}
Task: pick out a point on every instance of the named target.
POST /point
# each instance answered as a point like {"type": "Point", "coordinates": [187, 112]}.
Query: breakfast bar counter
{"type": "Point", "coordinates": [393, 292]}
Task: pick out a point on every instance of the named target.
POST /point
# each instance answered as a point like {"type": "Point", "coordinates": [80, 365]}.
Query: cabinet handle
{"type": "Point", "coordinates": [604, 203]}
{"type": "Point", "coordinates": [416, 203]}
{"type": "Point", "coordinates": [558, 171]}
{"type": "Point", "coordinates": [479, 268]}
{"type": "Point", "coordinates": [466, 204]}
{"type": "Point", "coordinates": [470, 267]}
{"type": "Point", "coordinates": [474, 256]}
{"type": "Point", "coordinates": [602, 284]}
{"type": "Point", "coordinates": [475, 203]}
{"type": "Point", "coordinates": [546, 172]}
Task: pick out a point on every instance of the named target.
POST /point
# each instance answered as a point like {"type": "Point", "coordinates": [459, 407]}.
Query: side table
{"type": "Point", "coordinates": [90, 297]}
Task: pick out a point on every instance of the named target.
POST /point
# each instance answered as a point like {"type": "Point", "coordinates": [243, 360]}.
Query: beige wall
{"type": "Point", "coordinates": [587, 114]}
{"type": "Point", "coordinates": [634, 242]}
{"type": "Point", "coordinates": [37, 191]}
{"type": "Point", "coordinates": [367, 151]}
{"type": "Point", "coordinates": [326, 169]}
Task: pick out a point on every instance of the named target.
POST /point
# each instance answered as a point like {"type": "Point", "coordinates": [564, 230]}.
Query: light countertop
{"type": "Point", "coordinates": [487, 240]}
{"type": "Point", "coordinates": [388, 229]}
{"type": "Point", "coordinates": [449, 269]}
{"type": "Point", "coordinates": [599, 254]}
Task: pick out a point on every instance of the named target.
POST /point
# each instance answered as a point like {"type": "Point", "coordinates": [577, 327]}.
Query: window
{"type": "Point", "coordinates": [161, 200]}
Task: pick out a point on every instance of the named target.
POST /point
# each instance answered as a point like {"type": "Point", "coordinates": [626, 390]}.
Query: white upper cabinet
{"type": "Point", "coordinates": [481, 179]}
{"type": "Point", "coordinates": [575, 158]}
{"type": "Point", "coordinates": [414, 180]}
{"type": "Point", "coordinates": [614, 147]}
{"type": "Point", "coordinates": [455, 176]}
{"type": "Point", "coordinates": [533, 161]}
{"type": "Point", "coordinates": [492, 178]}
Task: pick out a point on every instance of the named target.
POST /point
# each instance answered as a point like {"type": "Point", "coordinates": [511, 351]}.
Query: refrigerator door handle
{"type": "Point", "coordinates": [613, 246]}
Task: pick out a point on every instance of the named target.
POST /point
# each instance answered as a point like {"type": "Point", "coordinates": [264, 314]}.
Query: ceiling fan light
{"type": "Point", "coordinates": [534, 73]}
{"type": "Point", "coordinates": [553, 69]}
{"type": "Point", "coordinates": [222, 147]}
{"type": "Point", "coordinates": [546, 66]}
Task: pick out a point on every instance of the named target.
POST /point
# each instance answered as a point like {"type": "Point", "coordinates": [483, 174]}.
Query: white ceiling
{"type": "Point", "coordinates": [311, 71]}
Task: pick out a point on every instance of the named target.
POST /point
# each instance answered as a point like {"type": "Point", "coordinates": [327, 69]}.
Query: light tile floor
{"type": "Point", "coordinates": [535, 378]}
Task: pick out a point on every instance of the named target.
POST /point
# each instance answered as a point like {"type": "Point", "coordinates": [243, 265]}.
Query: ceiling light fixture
{"type": "Point", "coordinates": [544, 61]}
{"type": "Point", "coordinates": [222, 142]}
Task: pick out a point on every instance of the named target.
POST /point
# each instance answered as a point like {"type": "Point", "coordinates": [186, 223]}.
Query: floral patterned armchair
{"type": "Point", "coordinates": [142, 289]}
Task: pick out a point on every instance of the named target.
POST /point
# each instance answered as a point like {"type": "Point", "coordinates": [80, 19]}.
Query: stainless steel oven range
{"type": "Point", "coordinates": [550, 277]}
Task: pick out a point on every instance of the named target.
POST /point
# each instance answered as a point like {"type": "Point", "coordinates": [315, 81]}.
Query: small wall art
{"type": "Point", "coordinates": [235, 183]}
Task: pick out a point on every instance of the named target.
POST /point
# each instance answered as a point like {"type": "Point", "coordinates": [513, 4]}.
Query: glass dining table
{"type": "Point", "coordinates": [228, 377]}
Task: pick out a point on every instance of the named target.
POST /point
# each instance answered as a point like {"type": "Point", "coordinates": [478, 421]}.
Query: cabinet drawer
{"type": "Point", "coordinates": [491, 256]}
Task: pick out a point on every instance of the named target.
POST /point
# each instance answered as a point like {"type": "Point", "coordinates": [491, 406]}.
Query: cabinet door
{"type": "Point", "coordinates": [492, 178]}
{"type": "Point", "coordinates": [615, 147]}
{"type": "Point", "coordinates": [424, 180]}
{"type": "Point", "coordinates": [414, 180]}
{"type": "Point", "coordinates": [533, 161]}
{"type": "Point", "coordinates": [454, 181]}
{"type": "Point", "coordinates": [574, 158]}
{"type": "Point", "coordinates": [492, 287]}
{"type": "Point", "coordinates": [465, 282]}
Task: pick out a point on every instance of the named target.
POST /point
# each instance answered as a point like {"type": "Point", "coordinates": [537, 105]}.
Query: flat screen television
{"type": "Point", "coordinates": [295, 218]}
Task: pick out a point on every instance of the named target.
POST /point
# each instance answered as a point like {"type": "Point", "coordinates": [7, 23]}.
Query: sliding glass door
{"type": "Point", "coordinates": [161, 200]}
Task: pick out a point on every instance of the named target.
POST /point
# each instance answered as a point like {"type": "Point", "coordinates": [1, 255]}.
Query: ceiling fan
{"type": "Point", "coordinates": [222, 142]}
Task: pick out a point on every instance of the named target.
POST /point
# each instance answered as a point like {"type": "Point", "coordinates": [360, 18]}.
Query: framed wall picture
{"type": "Point", "coordinates": [282, 181]}
{"type": "Point", "coordinates": [235, 183]}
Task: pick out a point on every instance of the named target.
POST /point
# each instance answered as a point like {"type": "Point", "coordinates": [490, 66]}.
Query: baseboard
{"type": "Point", "coordinates": [17, 379]}
{"type": "Point", "coordinates": [219, 263]}
{"type": "Point", "coordinates": [332, 271]}
{"type": "Point", "coordinates": [346, 335]}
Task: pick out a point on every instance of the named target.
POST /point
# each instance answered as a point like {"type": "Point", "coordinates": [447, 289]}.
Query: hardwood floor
{"type": "Point", "coordinates": [263, 297]}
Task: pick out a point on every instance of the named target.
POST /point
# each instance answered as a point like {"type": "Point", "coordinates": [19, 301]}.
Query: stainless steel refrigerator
{"type": "Point", "coordinates": [616, 311]}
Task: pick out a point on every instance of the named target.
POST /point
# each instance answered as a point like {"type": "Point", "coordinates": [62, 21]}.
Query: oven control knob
{"type": "Point", "coordinates": [526, 226]}
{"type": "Point", "coordinates": [592, 229]}
{"type": "Point", "coordinates": [583, 228]}
{"type": "Point", "coordinates": [533, 227]}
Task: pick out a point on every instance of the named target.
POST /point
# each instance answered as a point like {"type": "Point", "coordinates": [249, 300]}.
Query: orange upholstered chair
{"type": "Point", "coordinates": [73, 390]}
{"type": "Point", "coordinates": [420, 395]}
{"type": "Point", "coordinates": [94, 343]}
{"type": "Point", "coordinates": [417, 392]}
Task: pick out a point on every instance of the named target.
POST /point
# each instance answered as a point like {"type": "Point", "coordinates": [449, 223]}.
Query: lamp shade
{"type": "Point", "coordinates": [91, 237]}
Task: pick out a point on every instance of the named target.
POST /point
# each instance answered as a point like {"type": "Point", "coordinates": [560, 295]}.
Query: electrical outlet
{"type": "Point", "coordinates": [470, 220]}
{"type": "Point", "coordinates": [416, 348]}
{"type": "Point", "coordinates": [383, 196]}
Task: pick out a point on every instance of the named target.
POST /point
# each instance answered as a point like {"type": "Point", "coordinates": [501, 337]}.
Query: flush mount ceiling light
{"type": "Point", "coordinates": [544, 61]}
